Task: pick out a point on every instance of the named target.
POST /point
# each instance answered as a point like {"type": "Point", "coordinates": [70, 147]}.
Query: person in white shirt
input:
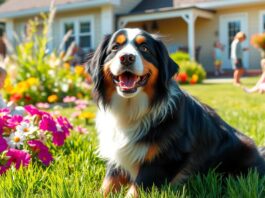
{"type": "Point", "coordinates": [237, 56]}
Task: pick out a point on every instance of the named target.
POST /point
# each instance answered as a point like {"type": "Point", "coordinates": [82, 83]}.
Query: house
{"type": "Point", "coordinates": [184, 24]}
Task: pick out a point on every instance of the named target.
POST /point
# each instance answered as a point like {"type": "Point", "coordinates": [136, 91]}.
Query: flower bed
{"type": "Point", "coordinates": [38, 75]}
{"type": "Point", "coordinates": [27, 134]}
{"type": "Point", "coordinates": [190, 72]}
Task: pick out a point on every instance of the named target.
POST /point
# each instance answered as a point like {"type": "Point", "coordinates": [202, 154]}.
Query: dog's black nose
{"type": "Point", "coordinates": [127, 59]}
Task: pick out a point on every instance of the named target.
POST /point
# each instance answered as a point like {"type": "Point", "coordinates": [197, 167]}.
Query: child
{"type": "Point", "coordinates": [237, 57]}
{"type": "Point", "coordinates": [217, 56]}
{"type": "Point", "coordinates": [260, 85]}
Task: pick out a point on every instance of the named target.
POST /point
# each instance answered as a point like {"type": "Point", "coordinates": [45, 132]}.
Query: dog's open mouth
{"type": "Point", "coordinates": [129, 82]}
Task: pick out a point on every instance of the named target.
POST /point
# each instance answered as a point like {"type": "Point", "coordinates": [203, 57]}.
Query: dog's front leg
{"type": "Point", "coordinates": [114, 179]}
{"type": "Point", "coordinates": [151, 174]}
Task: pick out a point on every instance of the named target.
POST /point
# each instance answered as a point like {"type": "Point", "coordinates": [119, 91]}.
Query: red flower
{"type": "Point", "coordinates": [182, 77]}
{"type": "Point", "coordinates": [16, 97]}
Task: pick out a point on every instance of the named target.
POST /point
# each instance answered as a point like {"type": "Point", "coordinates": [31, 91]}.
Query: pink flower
{"type": "Point", "coordinates": [58, 138]}
{"type": "Point", "coordinates": [3, 144]}
{"type": "Point", "coordinates": [47, 123]}
{"type": "Point", "coordinates": [80, 107]}
{"type": "Point", "coordinates": [64, 122]}
{"type": "Point", "coordinates": [43, 105]}
{"type": "Point", "coordinates": [4, 113]}
{"type": "Point", "coordinates": [42, 151]}
{"type": "Point", "coordinates": [14, 121]}
{"type": "Point", "coordinates": [75, 114]}
{"type": "Point", "coordinates": [3, 168]}
{"type": "Point", "coordinates": [45, 157]}
{"type": "Point", "coordinates": [37, 146]}
{"type": "Point", "coordinates": [69, 99]}
{"type": "Point", "coordinates": [34, 111]}
{"type": "Point", "coordinates": [81, 130]}
{"type": "Point", "coordinates": [18, 157]}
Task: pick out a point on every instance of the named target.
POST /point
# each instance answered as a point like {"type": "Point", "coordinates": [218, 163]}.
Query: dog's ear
{"type": "Point", "coordinates": [167, 65]}
{"type": "Point", "coordinates": [96, 59]}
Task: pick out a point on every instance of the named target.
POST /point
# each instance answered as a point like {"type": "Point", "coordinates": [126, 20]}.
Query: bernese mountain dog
{"type": "Point", "coordinates": [150, 131]}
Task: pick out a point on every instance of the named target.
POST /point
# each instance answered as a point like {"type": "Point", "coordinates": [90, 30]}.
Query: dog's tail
{"type": "Point", "coordinates": [262, 152]}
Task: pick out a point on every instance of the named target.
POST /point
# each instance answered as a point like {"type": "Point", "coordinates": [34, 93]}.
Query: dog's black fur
{"type": "Point", "coordinates": [191, 138]}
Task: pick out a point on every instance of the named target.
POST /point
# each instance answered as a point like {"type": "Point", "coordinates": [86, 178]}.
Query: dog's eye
{"type": "Point", "coordinates": [144, 48]}
{"type": "Point", "coordinates": [115, 47]}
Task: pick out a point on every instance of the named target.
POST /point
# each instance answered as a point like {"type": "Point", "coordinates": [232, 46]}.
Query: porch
{"type": "Point", "coordinates": [181, 29]}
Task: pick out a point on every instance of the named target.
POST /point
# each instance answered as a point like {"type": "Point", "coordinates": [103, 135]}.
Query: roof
{"type": "Point", "coordinates": [152, 5]}
{"type": "Point", "coordinates": [16, 8]}
{"type": "Point", "coordinates": [147, 5]}
{"type": "Point", "coordinates": [18, 5]}
{"type": "Point", "coordinates": [158, 5]}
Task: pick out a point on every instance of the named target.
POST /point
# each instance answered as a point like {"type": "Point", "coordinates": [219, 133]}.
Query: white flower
{"type": "Point", "coordinates": [15, 139]}
{"type": "Point", "coordinates": [26, 128]}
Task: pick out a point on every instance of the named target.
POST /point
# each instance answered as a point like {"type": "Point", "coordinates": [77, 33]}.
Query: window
{"type": "Point", "coordinates": [233, 28]}
{"type": "Point", "coordinates": [81, 32]}
{"type": "Point", "coordinates": [2, 29]}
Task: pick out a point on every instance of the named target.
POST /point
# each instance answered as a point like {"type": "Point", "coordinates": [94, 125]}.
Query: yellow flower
{"type": "Point", "coordinates": [21, 87]}
{"type": "Point", "coordinates": [67, 65]}
{"type": "Point", "coordinates": [87, 115]}
{"type": "Point", "coordinates": [79, 95]}
{"type": "Point", "coordinates": [194, 79]}
{"type": "Point", "coordinates": [52, 98]}
{"type": "Point", "coordinates": [33, 81]}
{"type": "Point", "coordinates": [79, 70]}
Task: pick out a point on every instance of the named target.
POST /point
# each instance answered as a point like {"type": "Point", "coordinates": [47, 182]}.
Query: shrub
{"type": "Point", "coordinates": [190, 71]}
{"type": "Point", "coordinates": [38, 76]}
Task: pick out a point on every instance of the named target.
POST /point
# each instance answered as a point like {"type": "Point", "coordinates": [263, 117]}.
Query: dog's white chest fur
{"type": "Point", "coordinates": [117, 134]}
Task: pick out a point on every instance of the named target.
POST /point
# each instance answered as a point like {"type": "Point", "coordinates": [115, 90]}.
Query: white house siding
{"type": "Point", "coordinates": [94, 13]}
{"type": "Point", "coordinates": [253, 13]}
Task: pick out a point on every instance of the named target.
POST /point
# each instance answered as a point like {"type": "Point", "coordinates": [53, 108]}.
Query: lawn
{"type": "Point", "coordinates": [78, 172]}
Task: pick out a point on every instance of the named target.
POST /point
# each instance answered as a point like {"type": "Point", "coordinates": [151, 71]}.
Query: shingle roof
{"type": "Point", "coordinates": [152, 4]}
{"type": "Point", "coordinates": [146, 5]}
{"type": "Point", "coordinates": [19, 5]}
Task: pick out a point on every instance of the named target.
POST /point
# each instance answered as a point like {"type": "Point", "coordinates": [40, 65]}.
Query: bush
{"type": "Point", "coordinates": [190, 72]}
{"type": "Point", "coordinates": [38, 76]}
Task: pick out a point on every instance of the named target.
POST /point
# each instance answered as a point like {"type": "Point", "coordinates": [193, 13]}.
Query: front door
{"type": "Point", "coordinates": [229, 26]}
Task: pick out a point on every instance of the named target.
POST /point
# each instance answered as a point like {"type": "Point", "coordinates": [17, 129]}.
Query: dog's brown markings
{"type": "Point", "coordinates": [150, 86]}
{"type": "Point", "coordinates": [140, 39]}
{"type": "Point", "coordinates": [121, 39]}
{"type": "Point", "coordinates": [152, 152]}
{"type": "Point", "coordinates": [108, 83]}
{"type": "Point", "coordinates": [132, 192]}
{"type": "Point", "coordinates": [113, 184]}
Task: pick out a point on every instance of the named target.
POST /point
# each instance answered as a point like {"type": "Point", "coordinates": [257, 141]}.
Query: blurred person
{"type": "Point", "coordinates": [237, 56]}
{"type": "Point", "coordinates": [260, 85]}
{"type": "Point", "coordinates": [218, 58]}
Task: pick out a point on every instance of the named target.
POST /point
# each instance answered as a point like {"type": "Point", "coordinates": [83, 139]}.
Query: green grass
{"type": "Point", "coordinates": [78, 172]}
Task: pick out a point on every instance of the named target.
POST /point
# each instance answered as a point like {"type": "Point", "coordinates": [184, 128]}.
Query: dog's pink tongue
{"type": "Point", "coordinates": [127, 81]}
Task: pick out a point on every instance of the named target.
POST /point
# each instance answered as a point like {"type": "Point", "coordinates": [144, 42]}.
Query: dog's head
{"type": "Point", "coordinates": [129, 62]}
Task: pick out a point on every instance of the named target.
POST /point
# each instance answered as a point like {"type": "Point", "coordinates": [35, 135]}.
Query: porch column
{"type": "Point", "coordinates": [190, 19]}
{"type": "Point", "coordinates": [107, 20]}
{"type": "Point", "coordinates": [10, 31]}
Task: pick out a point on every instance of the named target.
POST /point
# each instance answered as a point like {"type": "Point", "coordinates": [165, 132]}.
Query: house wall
{"type": "Point", "coordinates": [254, 23]}
{"type": "Point", "coordinates": [207, 32]}
{"type": "Point", "coordinates": [94, 13]}
{"type": "Point", "coordinates": [173, 31]}
{"type": "Point", "coordinates": [19, 25]}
